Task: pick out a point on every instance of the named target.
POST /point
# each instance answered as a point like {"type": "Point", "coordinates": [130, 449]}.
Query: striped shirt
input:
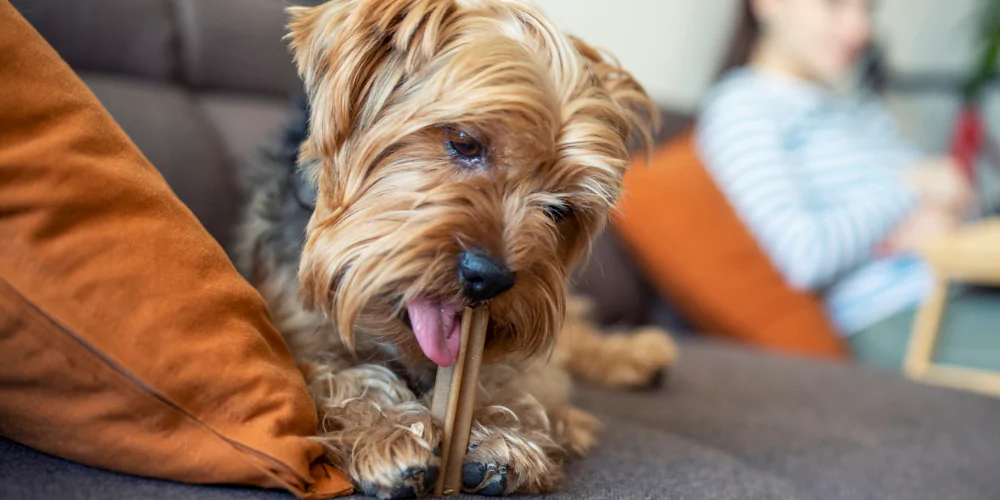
{"type": "Point", "coordinates": [818, 180]}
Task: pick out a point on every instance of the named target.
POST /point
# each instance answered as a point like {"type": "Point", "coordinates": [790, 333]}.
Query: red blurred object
{"type": "Point", "coordinates": [967, 141]}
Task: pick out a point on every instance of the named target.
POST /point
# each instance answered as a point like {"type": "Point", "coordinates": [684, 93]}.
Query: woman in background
{"type": "Point", "coordinates": [834, 195]}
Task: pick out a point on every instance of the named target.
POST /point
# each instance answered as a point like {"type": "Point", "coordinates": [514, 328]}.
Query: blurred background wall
{"type": "Point", "coordinates": [672, 46]}
{"type": "Point", "coordinates": [675, 47]}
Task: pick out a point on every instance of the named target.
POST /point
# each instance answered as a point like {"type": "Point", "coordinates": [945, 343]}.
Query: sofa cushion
{"type": "Point", "coordinates": [697, 252]}
{"type": "Point", "coordinates": [134, 37]}
{"type": "Point", "coordinates": [127, 339]}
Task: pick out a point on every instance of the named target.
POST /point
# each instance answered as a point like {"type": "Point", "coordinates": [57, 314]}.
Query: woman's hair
{"type": "Point", "coordinates": [874, 75]}
{"type": "Point", "coordinates": [742, 44]}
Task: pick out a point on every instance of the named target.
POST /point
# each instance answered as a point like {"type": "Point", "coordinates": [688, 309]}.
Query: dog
{"type": "Point", "coordinates": [449, 153]}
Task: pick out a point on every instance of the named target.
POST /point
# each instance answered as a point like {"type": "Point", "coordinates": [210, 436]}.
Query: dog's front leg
{"type": "Point", "coordinates": [374, 428]}
{"type": "Point", "coordinates": [523, 430]}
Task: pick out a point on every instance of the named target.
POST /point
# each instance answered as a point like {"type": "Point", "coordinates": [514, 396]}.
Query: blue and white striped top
{"type": "Point", "coordinates": [817, 179]}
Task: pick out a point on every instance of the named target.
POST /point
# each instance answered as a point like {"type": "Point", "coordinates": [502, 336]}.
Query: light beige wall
{"type": "Point", "coordinates": [928, 34]}
{"type": "Point", "coordinates": [674, 48]}
{"type": "Point", "coordinates": [671, 46]}
{"type": "Point", "coordinates": [935, 35]}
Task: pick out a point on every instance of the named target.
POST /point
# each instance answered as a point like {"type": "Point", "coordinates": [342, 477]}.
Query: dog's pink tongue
{"type": "Point", "coordinates": [436, 326]}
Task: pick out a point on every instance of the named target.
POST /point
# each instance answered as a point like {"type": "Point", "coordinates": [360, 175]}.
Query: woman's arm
{"type": "Point", "coordinates": [809, 243]}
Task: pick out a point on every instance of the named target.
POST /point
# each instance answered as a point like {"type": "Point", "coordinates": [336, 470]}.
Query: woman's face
{"type": "Point", "coordinates": [821, 38]}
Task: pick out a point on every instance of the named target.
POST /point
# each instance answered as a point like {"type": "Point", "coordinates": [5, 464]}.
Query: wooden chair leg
{"type": "Point", "coordinates": [925, 331]}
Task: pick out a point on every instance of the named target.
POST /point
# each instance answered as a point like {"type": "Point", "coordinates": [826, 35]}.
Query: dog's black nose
{"type": "Point", "coordinates": [482, 278]}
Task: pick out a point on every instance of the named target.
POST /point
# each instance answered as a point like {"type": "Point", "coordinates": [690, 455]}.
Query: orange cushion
{"type": "Point", "coordinates": [127, 339]}
{"type": "Point", "coordinates": [697, 252]}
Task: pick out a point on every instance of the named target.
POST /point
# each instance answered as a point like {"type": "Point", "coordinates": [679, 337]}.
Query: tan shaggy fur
{"type": "Point", "coordinates": [388, 81]}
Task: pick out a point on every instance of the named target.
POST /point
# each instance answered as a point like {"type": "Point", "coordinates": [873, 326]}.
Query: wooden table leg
{"type": "Point", "coordinates": [925, 331]}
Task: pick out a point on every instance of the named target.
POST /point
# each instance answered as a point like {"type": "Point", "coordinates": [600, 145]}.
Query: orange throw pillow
{"type": "Point", "coordinates": [127, 339]}
{"type": "Point", "coordinates": [698, 253]}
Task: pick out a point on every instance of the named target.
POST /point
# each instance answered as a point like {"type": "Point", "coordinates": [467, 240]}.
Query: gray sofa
{"type": "Point", "coordinates": [202, 85]}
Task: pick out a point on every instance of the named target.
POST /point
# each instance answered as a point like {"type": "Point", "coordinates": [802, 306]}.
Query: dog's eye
{"type": "Point", "coordinates": [463, 146]}
{"type": "Point", "coordinates": [558, 213]}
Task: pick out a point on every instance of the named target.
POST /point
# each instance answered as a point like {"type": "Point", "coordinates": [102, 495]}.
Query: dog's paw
{"type": "Point", "coordinates": [503, 462]}
{"type": "Point", "coordinates": [579, 430]}
{"type": "Point", "coordinates": [411, 482]}
{"type": "Point", "coordinates": [397, 461]}
{"type": "Point", "coordinates": [643, 360]}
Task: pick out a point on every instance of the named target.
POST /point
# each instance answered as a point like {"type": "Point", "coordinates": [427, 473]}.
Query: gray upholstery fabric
{"type": "Point", "coordinates": [618, 290]}
{"type": "Point", "coordinates": [169, 127]}
{"type": "Point", "coordinates": [246, 53]}
{"type": "Point", "coordinates": [246, 124]}
{"type": "Point", "coordinates": [828, 431]}
{"type": "Point", "coordinates": [731, 425]}
{"type": "Point", "coordinates": [134, 37]}
{"type": "Point", "coordinates": [29, 475]}
{"type": "Point", "coordinates": [672, 124]}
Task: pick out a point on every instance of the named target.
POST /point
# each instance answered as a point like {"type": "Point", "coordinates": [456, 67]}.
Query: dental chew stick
{"type": "Point", "coordinates": [455, 397]}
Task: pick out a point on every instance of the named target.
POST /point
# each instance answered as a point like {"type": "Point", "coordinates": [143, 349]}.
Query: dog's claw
{"type": "Point", "coordinates": [495, 488]}
{"type": "Point", "coordinates": [416, 481]}
{"type": "Point", "coordinates": [402, 492]}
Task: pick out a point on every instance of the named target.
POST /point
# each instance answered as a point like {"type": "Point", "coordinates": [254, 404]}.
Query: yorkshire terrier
{"type": "Point", "coordinates": [454, 153]}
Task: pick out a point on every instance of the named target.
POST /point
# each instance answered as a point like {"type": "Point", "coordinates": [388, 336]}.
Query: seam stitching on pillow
{"type": "Point", "coordinates": [46, 321]}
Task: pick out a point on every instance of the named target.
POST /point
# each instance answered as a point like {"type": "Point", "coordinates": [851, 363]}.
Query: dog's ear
{"type": "Point", "coordinates": [352, 54]}
{"type": "Point", "coordinates": [636, 105]}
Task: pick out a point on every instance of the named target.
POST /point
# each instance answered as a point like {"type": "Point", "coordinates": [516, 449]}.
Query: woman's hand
{"type": "Point", "coordinates": [927, 224]}
{"type": "Point", "coordinates": [941, 185]}
{"type": "Point", "coordinates": [945, 199]}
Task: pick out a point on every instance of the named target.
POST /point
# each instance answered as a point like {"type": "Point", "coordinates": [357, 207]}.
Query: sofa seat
{"type": "Point", "coordinates": [730, 424]}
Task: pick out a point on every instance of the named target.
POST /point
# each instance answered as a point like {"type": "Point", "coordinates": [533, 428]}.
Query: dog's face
{"type": "Point", "coordinates": [466, 152]}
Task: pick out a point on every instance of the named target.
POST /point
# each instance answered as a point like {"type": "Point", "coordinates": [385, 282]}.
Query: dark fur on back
{"type": "Point", "coordinates": [279, 203]}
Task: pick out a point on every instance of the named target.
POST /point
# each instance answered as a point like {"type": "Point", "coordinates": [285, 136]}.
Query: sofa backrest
{"type": "Point", "coordinates": [205, 44]}
{"type": "Point", "coordinates": [200, 86]}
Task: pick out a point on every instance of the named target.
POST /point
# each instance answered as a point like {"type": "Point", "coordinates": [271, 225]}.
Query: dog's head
{"type": "Point", "coordinates": [464, 151]}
